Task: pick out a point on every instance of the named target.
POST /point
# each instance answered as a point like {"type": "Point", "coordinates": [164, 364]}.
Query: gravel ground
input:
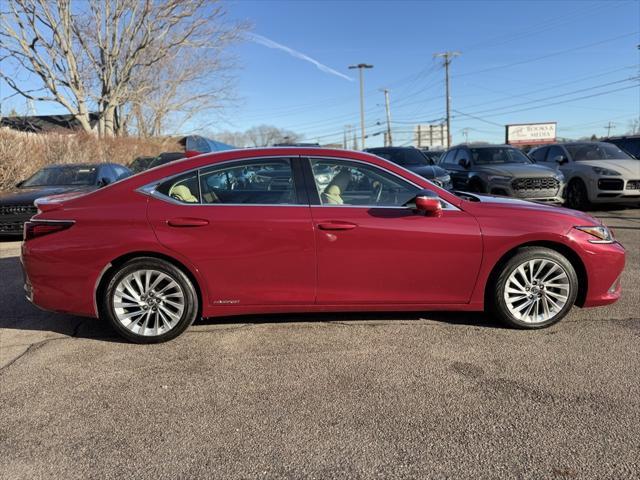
{"type": "Point", "coordinates": [324, 396]}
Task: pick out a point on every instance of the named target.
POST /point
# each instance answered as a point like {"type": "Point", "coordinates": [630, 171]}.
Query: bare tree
{"type": "Point", "coordinates": [265, 135]}
{"type": "Point", "coordinates": [110, 54]}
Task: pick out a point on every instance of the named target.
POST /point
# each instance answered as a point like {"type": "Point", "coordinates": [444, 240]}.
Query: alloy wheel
{"type": "Point", "coordinates": [148, 302]}
{"type": "Point", "coordinates": [537, 290]}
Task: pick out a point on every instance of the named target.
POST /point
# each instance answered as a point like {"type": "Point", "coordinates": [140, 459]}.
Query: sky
{"type": "Point", "coordinates": [572, 62]}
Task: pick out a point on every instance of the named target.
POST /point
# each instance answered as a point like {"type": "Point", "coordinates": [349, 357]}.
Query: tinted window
{"type": "Point", "coordinates": [498, 155]}
{"type": "Point", "coordinates": [462, 155]}
{"type": "Point", "coordinates": [448, 158]}
{"type": "Point", "coordinates": [554, 153]}
{"type": "Point", "coordinates": [183, 188]}
{"type": "Point", "coordinates": [265, 182]}
{"type": "Point", "coordinates": [405, 156]}
{"type": "Point", "coordinates": [539, 154]}
{"type": "Point", "coordinates": [63, 175]}
{"type": "Point", "coordinates": [348, 183]}
{"type": "Point", "coordinates": [581, 152]}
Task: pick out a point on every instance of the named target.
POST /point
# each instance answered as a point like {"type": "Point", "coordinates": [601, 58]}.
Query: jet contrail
{"type": "Point", "coordinates": [294, 53]}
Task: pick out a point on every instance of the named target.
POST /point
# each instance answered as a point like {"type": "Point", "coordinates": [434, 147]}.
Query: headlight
{"type": "Point", "coordinates": [604, 171]}
{"type": "Point", "coordinates": [498, 178]}
{"type": "Point", "coordinates": [600, 233]}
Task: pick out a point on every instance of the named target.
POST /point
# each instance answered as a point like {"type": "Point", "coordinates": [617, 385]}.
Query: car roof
{"type": "Point", "coordinates": [85, 165]}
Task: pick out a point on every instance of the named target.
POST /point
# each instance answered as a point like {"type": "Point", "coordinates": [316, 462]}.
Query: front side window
{"type": "Point", "coordinates": [340, 182]}
{"type": "Point", "coordinates": [554, 153]}
{"type": "Point", "coordinates": [538, 154]}
{"type": "Point", "coordinates": [262, 182]}
{"type": "Point", "coordinates": [449, 157]}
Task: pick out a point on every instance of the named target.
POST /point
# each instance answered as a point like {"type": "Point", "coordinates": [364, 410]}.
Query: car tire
{"type": "Point", "coordinates": [534, 289]}
{"type": "Point", "coordinates": [149, 300]}
{"type": "Point", "coordinates": [576, 196]}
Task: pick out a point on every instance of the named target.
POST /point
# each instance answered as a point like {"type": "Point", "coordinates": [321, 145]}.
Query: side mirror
{"type": "Point", "coordinates": [427, 202]}
{"type": "Point", "coordinates": [464, 162]}
{"type": "Point", "coordinates": [560, 159]}
{"type": "Point", "coordinates": [103, 182]}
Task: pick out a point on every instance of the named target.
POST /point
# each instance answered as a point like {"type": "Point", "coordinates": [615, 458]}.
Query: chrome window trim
{"type": "Point", "coordinates": [150, 188]}
{"type": "Point", "coordinates": [445, 205]}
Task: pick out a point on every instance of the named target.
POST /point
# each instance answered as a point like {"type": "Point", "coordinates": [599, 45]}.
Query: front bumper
{"type": "Point", "coordinates": [614, 190]}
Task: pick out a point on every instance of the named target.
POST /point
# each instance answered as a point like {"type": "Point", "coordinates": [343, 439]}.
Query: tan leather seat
{"type": "Point", "coordinates": [332, 194]}
{"type": "Point", "coordinates": [182, 193]}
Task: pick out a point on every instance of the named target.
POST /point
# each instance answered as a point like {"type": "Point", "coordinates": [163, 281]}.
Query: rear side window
{"type": "Point", "coordinates": [264, 182]}
{"type": "Point", "coordinates": [184, 188]}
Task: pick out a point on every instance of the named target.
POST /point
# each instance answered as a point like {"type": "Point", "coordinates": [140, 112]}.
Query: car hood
{"type": "Point", "coordinates": [527, 207]}
{"type": "Point", "coordinates": [629, 168]}
{"type": "Point", "coordinates": [428, 171]}
{"type": "Point", "coordinates": [27, 196]}
{"type": "Point", "coordinates": [517, 170]}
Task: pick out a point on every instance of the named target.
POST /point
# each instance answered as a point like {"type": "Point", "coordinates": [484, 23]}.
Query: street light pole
{"type": "Point", "coordinates": [447, 56]}
{"type": "Point", "coordinates": [361, 67]}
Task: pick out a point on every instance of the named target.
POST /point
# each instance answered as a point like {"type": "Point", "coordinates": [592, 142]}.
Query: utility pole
{"type": "Point", "coordinates": [465, 132]}
{"type": "Point", "coordinates": [344, 136]}
{"type": "Point", "coordinates": [609, 127]}
{"type": "Point", "coordinates": [361, 67]}
{"type": "Point", "coordinates": [447, 56]}
{"type": "Point", "coordinates": [388, 138]}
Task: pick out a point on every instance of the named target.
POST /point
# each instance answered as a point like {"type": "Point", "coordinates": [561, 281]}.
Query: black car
{"type": "Point", "coordinates": [630, 144]}
{"type": "Point", "coordinates": [433, 155]}
{"type": "Point", "coordinates": [139, 164]}
{"type": "Point", "coordinates": [415, 160]}
{"type": "Point", "coordinates": [16, 206]}
{"type": "Point", "coordinates": [502, 170]}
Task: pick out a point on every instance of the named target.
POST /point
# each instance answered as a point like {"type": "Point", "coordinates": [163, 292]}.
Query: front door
{"type": "Point", "coordinates": [246, 226]}
{"type": "Point", "coordinates": [372, 250]}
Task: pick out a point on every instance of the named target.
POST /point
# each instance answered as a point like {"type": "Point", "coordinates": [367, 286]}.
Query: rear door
{"type": "Point", "coordinates": [246, 225]}
{"type": "Point", "coordinates": [373, 250]}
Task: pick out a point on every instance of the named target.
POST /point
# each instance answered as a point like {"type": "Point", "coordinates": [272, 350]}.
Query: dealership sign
{"type": "Point", "coordinates": [531, 133]}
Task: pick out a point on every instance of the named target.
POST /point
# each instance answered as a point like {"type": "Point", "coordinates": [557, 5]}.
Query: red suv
{"type": "Point", "coordinates": [307, 230]}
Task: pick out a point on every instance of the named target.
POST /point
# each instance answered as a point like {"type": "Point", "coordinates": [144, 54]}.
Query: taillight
{"type": "Point", "coordinates": [39, 228]}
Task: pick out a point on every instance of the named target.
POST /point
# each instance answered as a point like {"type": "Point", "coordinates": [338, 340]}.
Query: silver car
{"type": "Point", "coordinates": [595, 172]}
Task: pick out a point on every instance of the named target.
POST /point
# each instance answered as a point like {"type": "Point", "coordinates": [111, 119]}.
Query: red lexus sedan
{"type": "Point", "coordinates": [307, 230]}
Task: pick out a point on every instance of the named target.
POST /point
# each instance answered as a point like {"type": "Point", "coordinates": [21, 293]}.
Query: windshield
{"type": "Point", "coordinates": [404, 157]}
{"type": "Point", "coordinates": [582, 152]}
{"type": "Point", "coordinates": [498, 155]}
{"type": "Point", "coordinates": [62, 175]}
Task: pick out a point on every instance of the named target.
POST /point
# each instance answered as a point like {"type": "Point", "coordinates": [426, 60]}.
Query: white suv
{"type": "Point", "coordinates": [595, 172]}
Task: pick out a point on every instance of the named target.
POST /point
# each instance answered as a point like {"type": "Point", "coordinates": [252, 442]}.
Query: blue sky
{"type": "Point", "coordinates": [500, 69]}
{"type": "Point", "coordinates": [516, 55]}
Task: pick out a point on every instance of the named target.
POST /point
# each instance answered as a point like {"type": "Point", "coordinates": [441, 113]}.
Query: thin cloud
{"type": "Point", "coordinates": [254, 37]}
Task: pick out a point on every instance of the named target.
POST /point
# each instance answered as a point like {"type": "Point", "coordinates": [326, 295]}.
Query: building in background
{"type": "Point", "coordinates": [430, 136]}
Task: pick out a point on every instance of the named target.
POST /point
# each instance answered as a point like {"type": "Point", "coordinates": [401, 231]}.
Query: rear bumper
{"type": "Point", "coordinates": [55, 285]}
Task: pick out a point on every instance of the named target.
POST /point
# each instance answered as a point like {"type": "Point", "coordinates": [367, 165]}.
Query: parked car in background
{"type": "Point", "coordinates": [415, 160]}
{"type": "Point", "coordinates": [165, 158]}
{"type": "Point", "coordinates": [140, 163]}
{"type": "Point", "coordinates": [630, 144]}
{"type": "Point", "coordinates": [595, 172]}
{"type": "Point", "coordinates": [502, 170]}
{"type": "Point", "coordinates": [17, 206]}
{"type": "Point", "coordinates": [433, 155]}
{"type": "Point", "coordinates": [183, 241]}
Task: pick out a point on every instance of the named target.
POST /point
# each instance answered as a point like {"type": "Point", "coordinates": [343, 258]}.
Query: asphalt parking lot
{"type": "Point", "coordinates": [431, 395]}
